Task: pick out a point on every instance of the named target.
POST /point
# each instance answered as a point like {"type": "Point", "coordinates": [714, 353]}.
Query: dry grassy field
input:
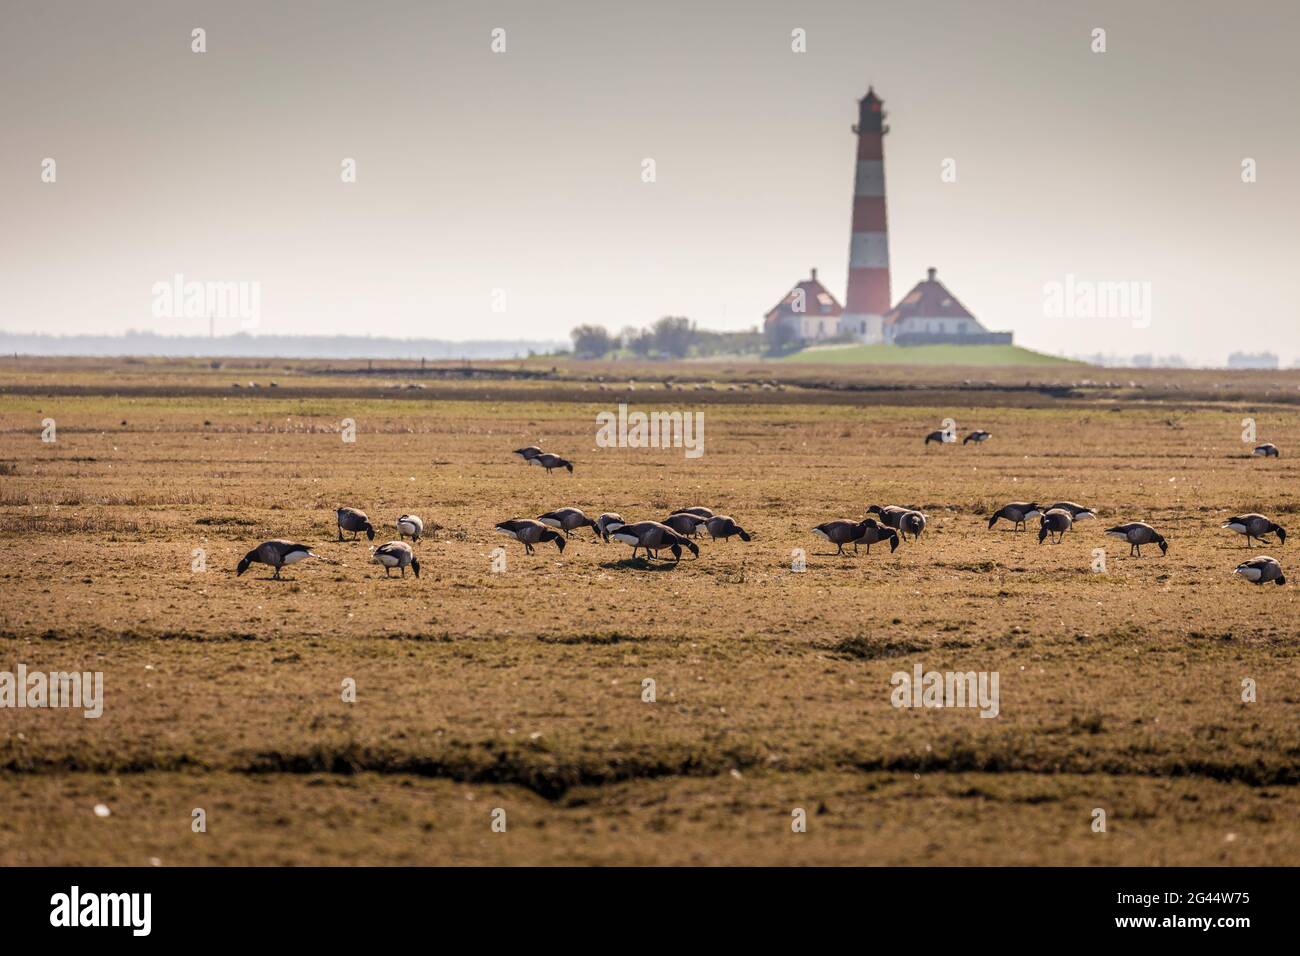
{"type": "Point", "coordinates": [522, 690]}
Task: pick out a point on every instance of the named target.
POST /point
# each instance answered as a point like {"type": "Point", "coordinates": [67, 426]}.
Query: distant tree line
{"type": "Point", "coordinates": [672, 337]}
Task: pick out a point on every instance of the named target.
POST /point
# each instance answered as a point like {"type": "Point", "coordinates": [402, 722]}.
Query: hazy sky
{"type": "Point", "coordinates": [522, 171]}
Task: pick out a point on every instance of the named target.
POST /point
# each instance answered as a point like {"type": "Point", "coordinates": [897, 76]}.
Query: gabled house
{"type": "Point", "coordinates": [808, 313]}
{"type": "Point", "coordinates": [930, 314]}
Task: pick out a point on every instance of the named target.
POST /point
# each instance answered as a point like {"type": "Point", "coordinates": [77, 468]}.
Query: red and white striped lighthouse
{"type": "Point", "coordinates": [868, 300]}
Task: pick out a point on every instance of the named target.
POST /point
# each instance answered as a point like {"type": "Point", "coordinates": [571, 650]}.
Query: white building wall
{"type": "Point", "coordinates": [934, 326]}
{"type": "Point", "coordinates": [863, 328]}
{"type": "Point", "coordinates": [818, 326]}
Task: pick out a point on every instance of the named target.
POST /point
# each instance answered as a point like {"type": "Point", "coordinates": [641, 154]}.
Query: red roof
{"type": "Point", "coordinates": [928, 300]}
{"type": "Point", "coordinates": [817, 300]}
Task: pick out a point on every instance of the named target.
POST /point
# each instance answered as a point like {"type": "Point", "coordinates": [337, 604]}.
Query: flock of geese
{"type": "Point", "coordinates": [894, 523]}
{"type": "Point", "coordinates": [395, 554]}
{"type": "Point", "coordinates": [679, 531]}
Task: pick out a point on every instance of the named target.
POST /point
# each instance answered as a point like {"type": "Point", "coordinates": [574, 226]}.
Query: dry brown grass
{"type": "Point", "coordinates": [523, 689]}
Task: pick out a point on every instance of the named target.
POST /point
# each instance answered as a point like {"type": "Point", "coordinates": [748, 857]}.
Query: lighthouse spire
{"type": "Point", "coordinates": [867, 299]}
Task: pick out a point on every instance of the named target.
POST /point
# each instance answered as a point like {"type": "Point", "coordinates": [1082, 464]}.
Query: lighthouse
{"type": "Point", "coordinates": [868, 300]}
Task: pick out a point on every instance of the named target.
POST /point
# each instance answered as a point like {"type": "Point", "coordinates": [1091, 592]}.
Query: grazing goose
{"type": "Point", "coordinates": [531, 532]}
{"type": "Point", "coordinates": [1261, 569]}
{"type": "Point", "coordinates": [724, 526]}
{"type": "Point", "coordinates": [700, 512]}
{"type": "Point", "coordinates": [549, 462]}
{"type": "Point", "coordinates": [875, 532]}
{"type": "Point", "coordinates": [977, 436]}
{"type": "Point", "coordinates": [609, 521]}
{"type": "Point", "coordinates": [1256, 526]}
{"type": "Point", "coordinates": [276, 553]}
{"type": "Point", "coordinates": [1138, 533]}
{"type": "Point", "coordinates": [942, 437]}
{"type": "Point", "coordinates": [891, 515]}
{"type": "Point", "coordinates": [1077, 512]}
{"type": "Point", "coordinates": [410, 524]}
{"type": "Point", "coordinates": [396, 554]}
{"type": "Point", "coordinates": [568, 520]}
{"type": "Point", "coordinates": [350, 519]}
{"type": "Point", "coordinates": [842, 531]}
{"type": "Point", "coordinates": [652, 535]}
{"type": "Point", "coordinates": [1267, 450]}
{"type": "Point", "coordinates": [684, 522]}
{"type": "Point", "coordinates": [528, 452]}
{"type": "Point", "coordinates": [1055, 521]}
{"type": "Point", "coordinates": [913, 523]}
{"type": "Point", "coordinates": [1017, 512]}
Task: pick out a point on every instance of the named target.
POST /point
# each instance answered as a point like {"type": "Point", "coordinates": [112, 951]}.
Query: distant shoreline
{"type": "Point", "coordinates": [243, 345]}
{"type": "Point", "coordinates": [361, 347]}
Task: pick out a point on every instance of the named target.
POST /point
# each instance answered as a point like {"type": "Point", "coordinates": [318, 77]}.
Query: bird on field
{"type": "Point", "coordinates": [396, 554]}
{"type": "Point", "coordinates": [528, 452]}
{"type": "Point", "coordinates": [1138, 533]}
{"type": "Point", "coordinates": [912, 523]}
{"type": "Point", "coordinates": [942, 437]}
{"type": "Point", "coordinates": [875, 533]}
{"type": "Point", "coordinates": [568, 520]}
{"type": "Point", "coordinates": [1055, 521]}
{"type": "Point", "coordinates": [1077, 512]}
{"type": "Point", "coordinates": [1267, 450]}
{"type": "Point", "coordinates": [550, 462]}
{"type": "Point", "coordinates": [841, 532]}
{"type": "Point", "coordinates": [724, 526]}
{"type": "Point", "coordinates": [684, 522]}
{"type": "Point", "coordinates": [608, 522]}
{"type": "Point", "coordinates": [978, 436]}
{"type": "Point", "coordinates": [530, 532]}
{"type": "Point", "coordinates": [1256, 526]}
{"type": "Point", "coordinates": [1017, 512]}
{"type": "Point", "coordinates": [410, 524]}
{"type": "Point", "coordinates": [350, 519]}
{"type": "Point", "coordinates": [654, 536]}
{"type": "Point", "coordinates": [276, 553]}
{"type": "Point", "coordinates": [697, 510]}
{"type": "Point", "coordinates": [1261, 570]}
{"type": "Point", "coordinates": [891, 515]}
